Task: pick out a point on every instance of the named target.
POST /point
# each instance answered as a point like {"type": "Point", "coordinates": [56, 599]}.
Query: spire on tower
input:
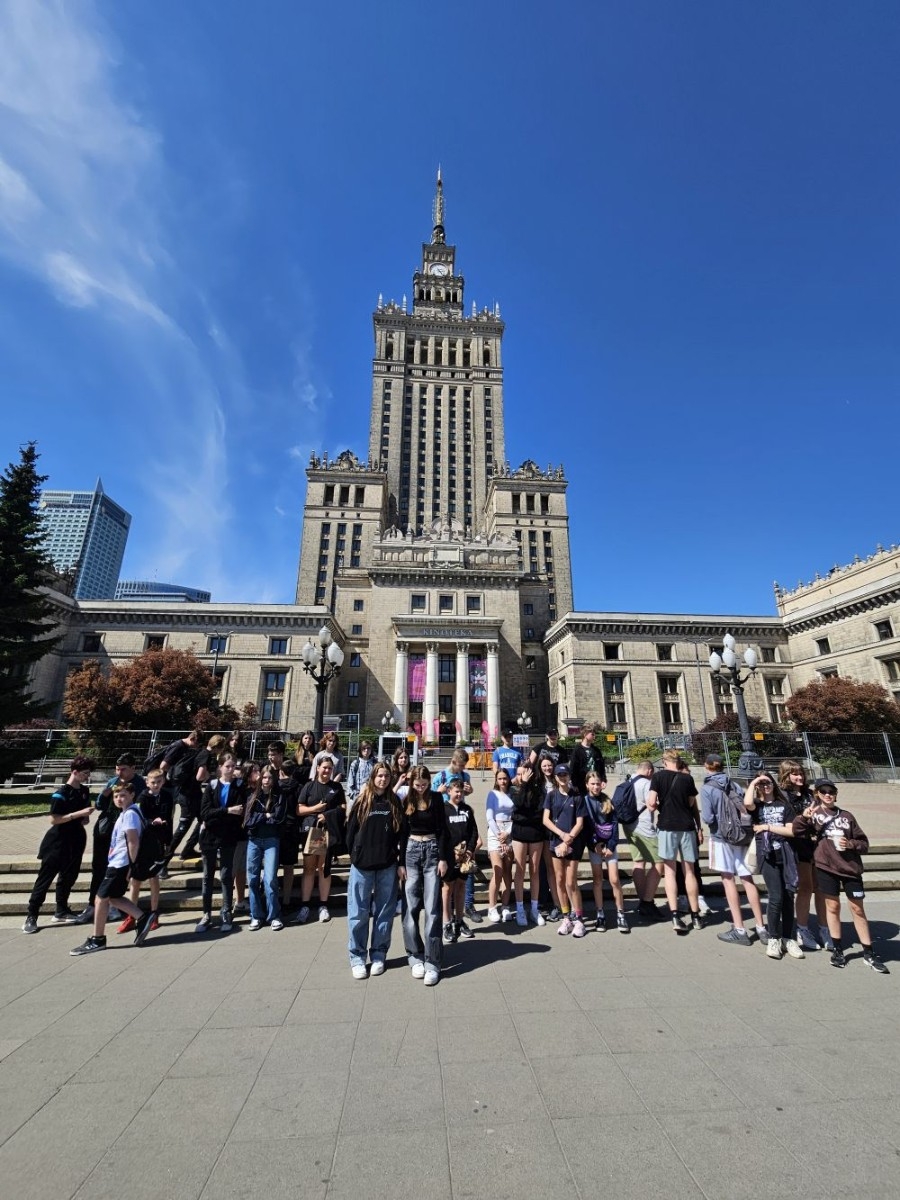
{"type": "Point", "coordinates": [437, 212]}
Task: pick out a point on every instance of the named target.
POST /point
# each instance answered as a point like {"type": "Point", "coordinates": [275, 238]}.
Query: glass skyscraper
{"type": "Point", "coordinates": [86, 536]}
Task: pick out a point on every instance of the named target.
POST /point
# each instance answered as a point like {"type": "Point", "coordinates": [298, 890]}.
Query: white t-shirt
{"type": "Point", "coordinates": [646, 826]}
{"type": "Point", "coordinates": [118, 850]}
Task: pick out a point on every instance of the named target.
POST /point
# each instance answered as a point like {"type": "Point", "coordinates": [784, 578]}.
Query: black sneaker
{"type": "Point", "coordinates": [88, 947]}
{"type": "Point", "coordinates": [65, 917]}
{"type": "Point", "coordinates": [837, 958]}
{"type": "Point", "coordinates": [678, 926]}
{"type": "Point", "coordinates": [142, 927]}
{"type": "Point", "coordinates": [600, 924]}
{"type": "Point", "coordinates": [463, 931]}
{"type": "Point", "coordinates": [30, 926]}
{"type": "Point", "coordinates": [871, 959]}
{"type": "Point", "coordinates": [474, 916]}
{"type": "Point", "coordinates": [449, 933]}
{"type": "Point", "coordinates": [622, 923]}
{"type": "Point", "coordinates": [698, 921]}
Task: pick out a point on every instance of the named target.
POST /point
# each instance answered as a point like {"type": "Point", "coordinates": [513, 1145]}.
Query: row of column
{"type": "Point", "coordinates": [430, 711]}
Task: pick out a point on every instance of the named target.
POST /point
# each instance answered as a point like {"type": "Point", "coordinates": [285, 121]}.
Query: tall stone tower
{"type": "Point", "coordinates": [443, 566]}
{"type": "Point", "coordinates": [437, 394]}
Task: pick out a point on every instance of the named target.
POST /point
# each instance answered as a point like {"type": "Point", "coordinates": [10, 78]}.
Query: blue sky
{"type": "Point", "coordinates": [688, 214]}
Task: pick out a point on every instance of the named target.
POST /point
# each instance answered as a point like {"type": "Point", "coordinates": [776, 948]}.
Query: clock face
{"type": "Point", "coordinates": [438, 269]}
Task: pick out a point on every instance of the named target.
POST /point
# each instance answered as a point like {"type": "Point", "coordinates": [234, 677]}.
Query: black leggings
{"type": "Point", "coordinates": [780, 905]}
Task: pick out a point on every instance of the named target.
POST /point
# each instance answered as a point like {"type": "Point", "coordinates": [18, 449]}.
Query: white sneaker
{"type": "Point", "coordinates": [793, 948]}
{"type": "Point", "coordinates": [254, 924]}
{"type": "Point", "coordinates": [377, 967]}
{"type": "Point", "coordinates": [773, 950]}
{"type": "Point", "coordinates": [324, 914]}
{"type": "Point", "coordinates": [806, 939]}
{"type": "Point", "coordinates": [702, 907]}
{"type": "Point", "coordinates": [276, 925]}
{"type": "Point", "coordinates": [432, 975]}
{"type": "Point", "coordinates": [418, 970]}
{"type": "Point", "coordinates": [506, 914]}
{"type": "Point", "coordinates": [493, 915]}
{"type": "Point", "coordinates": [358, 972]}
{"type": "Point", "coordinates": [521, 918]}
{"type": "Point", "coordinates": [537, 917]}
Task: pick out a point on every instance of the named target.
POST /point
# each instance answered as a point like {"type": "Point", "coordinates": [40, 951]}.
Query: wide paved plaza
{"type": "Point", "coordinates": [253, 1065]}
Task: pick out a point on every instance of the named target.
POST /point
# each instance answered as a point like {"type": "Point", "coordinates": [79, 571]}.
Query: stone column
{"type": "Point", "coordinates": [462, 689]}
{"type": "Point", "coordinates": [430, 708]}
{"type": "Point", "coordinates": [493, 690]}
{"type": "Point", "coordinates": [401, 683]}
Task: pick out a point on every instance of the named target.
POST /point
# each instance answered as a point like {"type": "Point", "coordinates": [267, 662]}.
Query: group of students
{"type": "Point", "coordinates": [412, 838]}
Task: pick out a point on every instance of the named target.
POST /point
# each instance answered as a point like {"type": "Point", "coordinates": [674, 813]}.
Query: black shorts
{"type": "Point", "coordinates": [804, 849]}
{"type": "Point", "coordinates": [831, 885]}
{"type": "Point", "coordinates": [114, 883]}
{"type": "Point", "coordinates": [528, 833]}
{"type": "Point", "coordinates": [289, 848]}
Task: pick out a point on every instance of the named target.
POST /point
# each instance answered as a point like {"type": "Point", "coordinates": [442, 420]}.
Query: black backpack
{"type": "Point", "coordinates": [150, 858]}
{"type": "Point", "coordinates": [735, 824]}
{"type": "Point", "coordinates": [624, 801]}
{"type": "Point", "coordinates": [151, 763]}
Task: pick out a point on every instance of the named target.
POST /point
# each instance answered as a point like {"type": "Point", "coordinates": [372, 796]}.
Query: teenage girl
{"type": "Point", "coordinates": [605, 854]}
{"type": "Point", "coordinates": [528, 836]}
{"type": "Point", "coordinates": [564, 820]}
{"type": "Point", "coordinates": [465, 841]}
{"type": "Point", "coordinates": [425, 854]}
{"type": "Point", "coordinates": [373, 842]}
{"type": "Point", "coordinates": [793, 782]}
{"type": "Point", "coordinates": [499, 812]}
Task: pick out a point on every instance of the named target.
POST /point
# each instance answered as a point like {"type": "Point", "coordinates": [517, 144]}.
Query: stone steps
{"type": "Point", "coordinates": [181, 891]}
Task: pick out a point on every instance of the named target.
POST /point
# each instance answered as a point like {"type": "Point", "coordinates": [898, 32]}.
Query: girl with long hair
{"type": "Point", "coordinates": [425, 854]}
{"type": "Point", "coordinates": [605, 854]}
{"type": "Point", "coordinates": [330, 747]}
{"type": "Point", "coordinates": [499, 809]}
{"type": "Point", "coordinates": [373, 841]}
{"type": "Point", "coordinates": [528, 836]}
{"type": "Point", "coordinates": [773, 815]}
{"type": "Point", "coordinates": [263, 819]}
{"type": "Point", "coordinates": [793, 782]}
{"type": "Point", "coordinates": [319, 798]}
{"type": "Point", "coordinates": [401, 765]}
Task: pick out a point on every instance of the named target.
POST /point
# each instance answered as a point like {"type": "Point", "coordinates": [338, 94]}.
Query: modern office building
{"type": "Point", "coordinates": [86, 536]}
{"type": "Point", "coordinates": [148, 591]}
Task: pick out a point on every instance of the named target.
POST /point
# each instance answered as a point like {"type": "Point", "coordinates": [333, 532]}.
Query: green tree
{"type": "Point", "coordinates": [839, 704]}
{"type": "Point", "coordinates": [27, 618]}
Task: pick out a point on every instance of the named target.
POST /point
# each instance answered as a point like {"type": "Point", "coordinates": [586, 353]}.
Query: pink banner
{"type": "Point", "coordinates": [477, 679]}
{"type": "Point", "coordinates": [415, 677]}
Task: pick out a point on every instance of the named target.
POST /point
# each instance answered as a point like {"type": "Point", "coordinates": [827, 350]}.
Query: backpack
{"type": "Point", "coordinates": [151, 763]}
{"type": "Point", "coordinates": [624, 802]}
{"type": "Point", "coordinates": [150, 858]}
{"type": "Point", "coordinates": [735, 824]}
{"type": "Point", "coordinates": [185, 770]}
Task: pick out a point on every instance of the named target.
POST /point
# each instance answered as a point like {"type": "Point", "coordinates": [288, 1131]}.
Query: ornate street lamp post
{"type": "Point", "coordinates": [523, 722]}
{"type": "Point", "coordinates": [322, 661]}
{"type": "Point", "coordinates": [727, 667]}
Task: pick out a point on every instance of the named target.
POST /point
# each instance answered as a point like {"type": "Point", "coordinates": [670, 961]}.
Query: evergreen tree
{"type": "Point", "coordinates": [27, 618]}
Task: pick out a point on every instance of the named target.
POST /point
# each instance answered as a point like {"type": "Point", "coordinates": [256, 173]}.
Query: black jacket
{"type": "Point", "coordinates": [220, 828]}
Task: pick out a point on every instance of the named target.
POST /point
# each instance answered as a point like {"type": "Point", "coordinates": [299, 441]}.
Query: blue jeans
{"type": "Point", "coordinates": [470, 890]}
{"type": "Point", "coordinates": [362, 888]}
{"type": "Point", "coordinates": [262, 853]}
{"type": "Point", "coordinates": [423, 894]}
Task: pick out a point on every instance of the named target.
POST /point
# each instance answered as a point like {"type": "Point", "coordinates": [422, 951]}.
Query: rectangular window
{"type": "Point", "coordinates": [529, 502]}
{"type": "Point", "coordinates": [447, 668]}
{"type": "Point", "coordinates": [723, 695]}
{"type": "Point", "coordinates": [356, 630]}
{"type": "Point", "coordinates": [357, 605]}
{"type": "Point", "coordinates": [155, 641]}
{"type": "Point", "coordinates": [545, 503]}
{"type": "Point", "coordinates": [768, 654]}
{"type": "Point", "coordinates": [775, 685]}
{"type": "Point", "coordinates": [445, 704]}
{"type": "Point", "coordinates": [216, 644]}
{"type": "Point", "coordinates": [278, 645]}
{"type": "Point", "coordinates": [329, 494]}
{"type": "Point", "coordinates": [612, 651]}
{"type": "Point", "coordinates": [352, 689]}
{"type": "Point", "coordinates": [529, 634]}
{"type": "Point", "coordinates": [532, 691]}
{"type": "Point", "coordinates": [614, 686]}
{"type": "Point", "coordinates": [828, 673]}
{"type": "Point", "coordinates": [473, 604]}
{"type": "Point", "coordinates": [90, 643]}
{"type": "Point", "coordinates": [272, 710]}
{"type": "Point", "coordinates": [528, 610]}
{"type": "Point", "coordinates": [359, 496]}
{"type": "Point", "coordinates": [892, 666]}
{"type": "Point", "coordinates": [446, 604]}
{"type": "Point", "coordinates": [823, 645]}
{"type": "Point", "coordinates": [516, 502]}
{"type": "Point", "coordinates": [663, 652]}
{"type": "Point", "coordinates": [885, 630]}
{"type": "Point", "coordinates": [530, 662]}
{"type": "Point", "coordinates": [344, 495]}
{"type": "Point", "coordinates": [417, 603]}
{"type": "Point", "coordinates": [275, 681]}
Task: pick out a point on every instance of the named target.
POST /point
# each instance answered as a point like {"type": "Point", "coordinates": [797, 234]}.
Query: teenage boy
{"type": "Point", "coordinates": [62, 847]}
{"type": "Point", "coordinates": [123, 850]}
{"type": "Point", "coordinates": [126, 772]}
{"type": "Point", "coordinates": [506, 757]}
{"type": "Point", "coordinates": [584, 759]}
{"type": "Point", "coordinates": [441, 783]}
{"type": "Point", "coordinates": [152, 805]}
{"type": "Point", "coordinates": [646, 871]}
{"type": "Point", "coordinates": [550, 748]}
{"type": "Point", "coordinates": [673, 795]}
{"type": "Point", "coordinates": [727, 858]}
{"type": "Point", "coordinates": [180, 764]}
{"type": "Point", "coordinates": [839, 867]}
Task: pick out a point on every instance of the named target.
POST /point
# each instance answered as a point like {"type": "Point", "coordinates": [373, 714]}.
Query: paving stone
{"type": "Point", "coordinates": [146, 1169]}
{"type": "Point", "coordinates": [579, 1085]}
{"type": "Point", "coordinates": [486, 1093]}
{"type": "Point", "coordinates": [223, 1052]}
{"type": "Point", "coordinates": [293, 1105]}
{"type": "Point", "coordinates": [642, 1163]}
{"type": "Point", "coordinates": [297, 1166]}
{"type": "Point", "coordinates": [384, 1161]}
{"type": "Point", "coordinates": [521, 1159]}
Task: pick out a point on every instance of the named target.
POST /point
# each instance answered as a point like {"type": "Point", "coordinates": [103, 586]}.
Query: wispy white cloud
{"type": "Point", "coordinates": [85, 193]}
